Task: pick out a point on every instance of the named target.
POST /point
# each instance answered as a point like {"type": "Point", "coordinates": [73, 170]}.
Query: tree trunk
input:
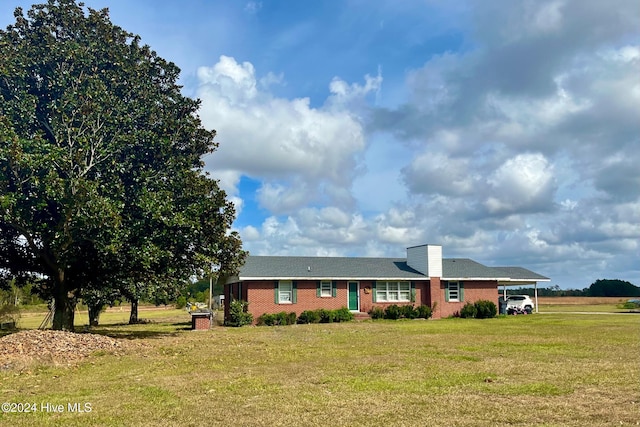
{"type": "Point", "coordinates": [94, 314]}
{"type": "Point", "coordinates": [64, 312]}
{"type": "Point", "coordinates": [133, 318]}
{"type": "Point", "coordinates": [64, 304]}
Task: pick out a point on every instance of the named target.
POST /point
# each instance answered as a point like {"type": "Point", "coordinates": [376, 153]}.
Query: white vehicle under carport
{"type": "Point", "coordinates": [519, 304]}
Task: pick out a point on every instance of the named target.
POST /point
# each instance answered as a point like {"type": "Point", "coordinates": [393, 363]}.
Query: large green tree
{"type": "Point", "coordinates": [613, 288]}
{"type": "Point", "coordinates": [101, 174]}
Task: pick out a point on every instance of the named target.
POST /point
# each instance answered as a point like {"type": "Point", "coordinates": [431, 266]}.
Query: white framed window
{"type": "Point", "coordinates": [285, 292]}
{"type": "Point", "coordinates": [325, 288]}
{"type": "Point", "coordinates": [454, 291]}
{"type": "Point", "coordinates": [393, 292]}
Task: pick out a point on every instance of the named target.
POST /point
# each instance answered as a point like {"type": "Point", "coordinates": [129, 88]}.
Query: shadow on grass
{"type": "Point", "coordinates": [141, 331]}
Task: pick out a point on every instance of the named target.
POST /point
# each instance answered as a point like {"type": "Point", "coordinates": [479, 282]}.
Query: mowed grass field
{"type": "Point", "coordinates": [582, 304]}
{"type": "Point", "coordinates": [545, 370]}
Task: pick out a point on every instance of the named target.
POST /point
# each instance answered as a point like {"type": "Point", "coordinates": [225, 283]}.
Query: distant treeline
{"type": "Point", "coordinates": [599, 288]}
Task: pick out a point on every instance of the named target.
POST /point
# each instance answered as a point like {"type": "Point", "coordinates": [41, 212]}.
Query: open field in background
{"type": "Point", "coordinates": [582, 304]}
{"type": "Point", "coordinates": [550, 370]}
{"type": "Point", "coordinates": [115, 315]}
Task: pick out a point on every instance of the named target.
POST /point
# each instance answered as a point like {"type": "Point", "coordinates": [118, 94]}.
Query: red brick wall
{"type": "Point", "coordinates": [473, 291]}
{"type": "Point", "coordinates": [366, 296]}
{"type": "Point", "coordinates": [434, 296]}
{"type": "Point", "coordinates": [201, 323]}
{"type": "Point", "coordinates": [260, 295]}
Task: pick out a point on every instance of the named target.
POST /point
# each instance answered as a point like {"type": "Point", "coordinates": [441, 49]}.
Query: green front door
{"type": "Point", "coordinates": [353, 296]}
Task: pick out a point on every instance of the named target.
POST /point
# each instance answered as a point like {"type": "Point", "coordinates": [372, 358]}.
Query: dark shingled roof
{"type": "Point", "coordinates": [519, 273]}
{"type": "Point", "coordinates": [270, 267]}
{"type": "Point", "coordinates": [327, 267]}
{"type": "Point", "coordinates": [460, 268]}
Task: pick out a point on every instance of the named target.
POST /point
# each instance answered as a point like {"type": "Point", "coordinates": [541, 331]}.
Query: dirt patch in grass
{"type": "Point", "coordinates": [59, 348]}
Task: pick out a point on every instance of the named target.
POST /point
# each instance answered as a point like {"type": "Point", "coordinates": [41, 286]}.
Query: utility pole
{"type": "Point", "coordinates": [210, 289]}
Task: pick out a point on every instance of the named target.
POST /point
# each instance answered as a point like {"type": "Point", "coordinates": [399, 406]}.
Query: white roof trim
{"type": "Point", "coordinates": [521, 281]}
{"type": "Point", "coordinates": [331, 278]}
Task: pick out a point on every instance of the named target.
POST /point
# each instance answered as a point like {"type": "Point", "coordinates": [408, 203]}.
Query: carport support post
{"type": "Point", "coordinates": [535, 293]}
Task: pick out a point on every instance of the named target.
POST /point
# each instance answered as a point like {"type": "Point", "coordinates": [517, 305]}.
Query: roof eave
{"type": "Point", "coordinates": [522, 281]}
{"type": "Point", "coordinates": [255, 278]}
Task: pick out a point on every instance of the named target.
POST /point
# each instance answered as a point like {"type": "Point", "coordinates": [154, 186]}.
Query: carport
{"type": "Point", "coordinates": [519, 276]}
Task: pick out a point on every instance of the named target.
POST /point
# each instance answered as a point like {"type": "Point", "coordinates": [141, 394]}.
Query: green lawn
{"type": "Point", "coordinates": [551, 369]}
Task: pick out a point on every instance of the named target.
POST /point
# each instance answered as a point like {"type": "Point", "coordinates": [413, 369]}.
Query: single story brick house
{"type": "Point", "coordinates": [271, 284]}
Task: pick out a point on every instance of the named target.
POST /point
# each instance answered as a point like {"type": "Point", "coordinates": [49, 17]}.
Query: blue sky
{"type": "Point", "coordinates": [507, 131]}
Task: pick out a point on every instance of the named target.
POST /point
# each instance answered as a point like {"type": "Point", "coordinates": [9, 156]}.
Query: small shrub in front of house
{"type": "Point", "coordinates": [376, 313]}
{"type": "Point", "coordinates": [342, 315]}
{"type": "Point", "coordinates": [408, 312]}
{"type": "Point", "coordinates": [424, 312]}
{"type": "Point", "coordinates": [291, 318]}
{"type": "Point", "coordinates": [267, 319]}
{"type": "Point", "coordinates": [277, 319]}
{"type": "Point", "coordinates": [326, 316]}
{"type": "Point", "coordinates": [320, 315]}
{"type": "Point", "coordinates": [280, 318]}
{"type": "Point", "coordinates": [238, 315]}
{"type": "Point", "coordinates": [309, 316]}
{"type": "Point", "coordinates": [485, 309]}
{"type": "Point", "coordinates": [392, 312]}
{"type": "Point", "coordinates": [469, 311]}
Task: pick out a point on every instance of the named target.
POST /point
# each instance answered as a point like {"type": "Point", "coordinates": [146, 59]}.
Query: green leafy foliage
{"type": "Point", "coordinates": [424, 312]}
{"type": "Point", "coordinates": [469, 310]}
{"type": "Point", "coordinates": [277, 319]}
{"type": "Point", "coordinates": [481, 309]}
{"type": "Point", "coordinates": [181, 302]}
{"type": "Point", "coordinates": [326, 316]}
{"type": "Point", "coordinates": [102, 187]}
{"type": "Point", "coordinates": [485, 309]}
{"type": "Point", "coordinates": [320, 315]}
{"type": "Point", "coordinates": [392, 312]}
{"type": "Point", "coordinates": [309, 316]}
{"type": "Point", "coordinates": [342, 315]}
{"type": "Point", "coordinates": [613, 288]}
{"type": "Point", "coordinates": [631, 305]}
{"type": "Point", "coordinates": [407, 311]}
{"type": "Point", "coordinates": [238, 315]}
{"type": "Point", "coordinates": [376, 313]}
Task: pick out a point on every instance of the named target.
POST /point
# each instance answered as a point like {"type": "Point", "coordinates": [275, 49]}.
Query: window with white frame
{"type": "Point", "coordinates": [325, 288]}
{"type": "Point", "coordinates": [454, 291]}
{"type": "Point", "coordinates": [393, 291]}
{"type": "Point", "coordinates": [285, 292]}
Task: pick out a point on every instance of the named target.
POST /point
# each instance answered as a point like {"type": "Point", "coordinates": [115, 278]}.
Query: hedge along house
{"type": "Point", "coordinates": [271, 284]}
